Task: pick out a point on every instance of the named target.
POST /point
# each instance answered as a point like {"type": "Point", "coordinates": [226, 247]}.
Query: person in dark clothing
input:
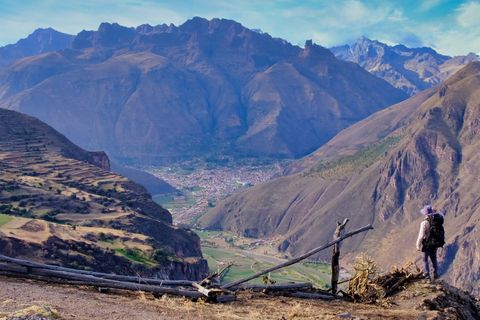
{"type": "Point", "coordinates": [430, 238]}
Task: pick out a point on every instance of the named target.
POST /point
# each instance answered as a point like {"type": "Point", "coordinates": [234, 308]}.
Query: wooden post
{"type": "Point", "coordinates": [339, 231]}
{"type": "Point", "coordinates": [295, 260]}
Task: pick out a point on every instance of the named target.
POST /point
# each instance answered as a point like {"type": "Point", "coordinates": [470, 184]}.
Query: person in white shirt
{"type": "Point", "coordinates": [430, 252]}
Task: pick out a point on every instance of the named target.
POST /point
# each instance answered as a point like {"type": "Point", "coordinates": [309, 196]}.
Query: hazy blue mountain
{"type": "Point", "coordinates": [409, 69]}
{"type": "Point", "coordinates": [156, 93]}
{"type": "Point", "coordinates": [40, 41]}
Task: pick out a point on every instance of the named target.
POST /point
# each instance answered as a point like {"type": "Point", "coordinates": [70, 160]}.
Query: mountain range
{"type": "Point", "coordinates": [153, 94]}
{"type": "Point", "coordinates": [381, 170]}
{"type": "Point", "coordinates": [206, 87]}
{"type": "Point", "coordinates": [60, 204]}
{"type": "Point", "coordinates": [40, 41]}
{"type": "Point", "coordinates": [409, 69]}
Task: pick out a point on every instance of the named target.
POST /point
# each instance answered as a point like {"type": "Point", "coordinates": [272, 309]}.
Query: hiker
{"type": "Point", "coordinates": [430, 237]}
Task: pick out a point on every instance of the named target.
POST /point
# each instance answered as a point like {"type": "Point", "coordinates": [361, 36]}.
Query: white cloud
{"type": "Point", "coordinates": [469, 15]}
{"type": "Point", "coordinates": [397, 16]}
{"type": "Point", "coordinates": [354, 11]}
{"type": "Point", "coordinates": [429, 4]}
{"type": "Point", "coordinates": [323, 38]}
{"type": "Point", "coordinates": [342, 22]}
{"type": "Point", "coordinates": [463, 36]}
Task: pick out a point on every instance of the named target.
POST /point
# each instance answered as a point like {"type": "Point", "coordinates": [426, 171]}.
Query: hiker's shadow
{"type": "Point", "coordinates": [446, 257]}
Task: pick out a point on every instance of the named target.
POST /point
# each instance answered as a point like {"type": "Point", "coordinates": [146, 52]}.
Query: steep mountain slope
{"type": "Point", "coordinates": [205, 87]}
{"type": "Point", "coordinates": [40, 41]}
{"type": "Point", "coordinates": [47, 182]}
{"type": "Point", "coordinates": [409, 69]}
{"type": "Point", "coordinates": [381, 171]}
{"type": "Point", "coordinates": [153, 184]}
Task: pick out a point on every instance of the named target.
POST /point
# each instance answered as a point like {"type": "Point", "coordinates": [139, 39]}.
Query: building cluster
{"type": "Point", "coordinates": [203, 187]}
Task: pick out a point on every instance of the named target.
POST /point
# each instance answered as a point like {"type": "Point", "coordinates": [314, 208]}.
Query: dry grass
{"type": "Point", "coordinates": [248, 306]}
{"type": "Point", "coordinates": [368, 286]}
{"type": "Point", "coordinates": [32, 312]}
{"type": "Point", "coordinates": [365, 272]}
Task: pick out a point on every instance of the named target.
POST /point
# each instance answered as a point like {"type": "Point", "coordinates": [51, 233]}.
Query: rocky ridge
{"type": "Point", "coordinates": [409, 69]}
{"type": "Point", "coordinates": [40, 41]}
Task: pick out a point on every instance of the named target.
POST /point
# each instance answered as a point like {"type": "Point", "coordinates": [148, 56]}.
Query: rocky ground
{"type": "Point", "coordinates": [20, 299]}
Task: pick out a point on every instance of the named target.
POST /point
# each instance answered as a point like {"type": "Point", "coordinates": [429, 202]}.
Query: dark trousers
{"type": "Point", "coordinates": [432, 254]}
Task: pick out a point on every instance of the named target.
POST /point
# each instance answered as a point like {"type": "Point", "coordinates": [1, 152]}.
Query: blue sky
{"type": "Point", "coordinates": [451, 27]}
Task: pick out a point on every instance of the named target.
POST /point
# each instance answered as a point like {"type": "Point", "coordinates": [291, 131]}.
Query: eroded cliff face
{"type": "Point", "coordinates": [383, 179]}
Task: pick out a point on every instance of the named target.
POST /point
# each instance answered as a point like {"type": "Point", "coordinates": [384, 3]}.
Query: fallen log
{"type": "Point", "coordinates": [214, 277]}
{"type": "Point", "coordinates": [13, 268]}
{"type": "Point", "coordinates": [225, 298]}
{"type": "Point", "coordinates": [105, 289]}
{"type": "Point", "coordinates": [13, 274]}
{"type": "Point", "coordinates": [82, 279]}
{"type": "Point", "coordinates": [63, 277]}
{"type": "Point", "coordinates": [133, 279]}
{"type": "Point", "coordinates": [206, 292]}
{"type": "Point", "coordinates": [274, 287]}
{"type": "Point", "coordinates": [102, 287]}
{"type": "Point", "coordinates": [309, 295]}
{"type": "Point", "coordinates": [215, 294]}
{"type": "Point", "coordinates": [295, 260]}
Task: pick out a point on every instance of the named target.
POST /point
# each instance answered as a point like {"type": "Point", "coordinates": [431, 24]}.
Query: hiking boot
{"type": "Point", "coordinates": [435, 276]}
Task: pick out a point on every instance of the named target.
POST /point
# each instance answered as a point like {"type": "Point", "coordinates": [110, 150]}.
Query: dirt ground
{"type": "Point", "coordinates": [68, 302]}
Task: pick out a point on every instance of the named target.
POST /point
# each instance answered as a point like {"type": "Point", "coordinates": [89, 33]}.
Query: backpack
{"type": "Point", "coordinates": [436, 235]}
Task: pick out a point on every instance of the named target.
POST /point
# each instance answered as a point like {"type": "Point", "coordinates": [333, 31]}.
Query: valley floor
{"type": "Point", "coordinates": [203, 184]}
{"type": "Point", "coordinates": [86, 303]}
{"type": "Point", "coordinates": [249, 255]}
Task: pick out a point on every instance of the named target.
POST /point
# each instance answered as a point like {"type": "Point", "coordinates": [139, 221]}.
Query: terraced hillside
{"type": "Point", "coordinates": [72, 202]}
